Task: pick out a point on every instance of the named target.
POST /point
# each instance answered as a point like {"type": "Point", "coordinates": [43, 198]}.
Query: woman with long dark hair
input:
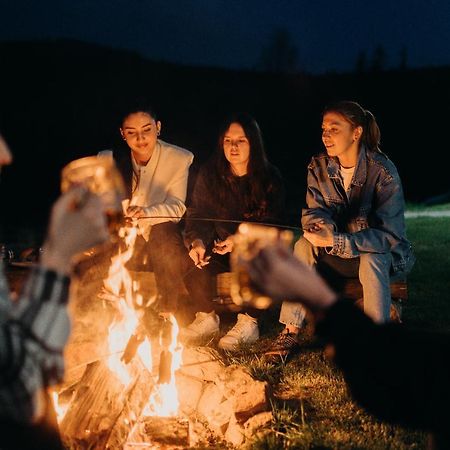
{"type": "Point", "coordinates": [238, 184]}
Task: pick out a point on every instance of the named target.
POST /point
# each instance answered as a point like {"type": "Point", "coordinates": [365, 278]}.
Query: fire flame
{"type": "Point", "coordinates": [164, 398]}
{"type": "Point", "coordinates": [60, 409]}
{"type": "Point", "coordinates": [163, 401]}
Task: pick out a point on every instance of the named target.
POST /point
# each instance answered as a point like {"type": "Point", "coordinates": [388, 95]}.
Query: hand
{"type": "Point", "coordinates": [320, 234]}
{"type": "Point", "coordinates": [222, 247]}
{"type": "Point", "coordinates": [77, 223]}
{"type": "Point", "coordinates": [276, 272]}
{"type": "Point", "coordinates": [197, 254]}
{"type": "Point", "coordinates": [135, 212]}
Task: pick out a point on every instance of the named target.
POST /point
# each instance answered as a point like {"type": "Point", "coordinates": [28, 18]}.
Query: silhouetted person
{"type": "Point", "coordinates": [399, 375]}
{"type": "Point", "coordinates": [34, 328]}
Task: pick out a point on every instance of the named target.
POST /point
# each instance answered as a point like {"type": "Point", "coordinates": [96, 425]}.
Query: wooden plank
{"type": "Point", "coordinates": [352, 288]}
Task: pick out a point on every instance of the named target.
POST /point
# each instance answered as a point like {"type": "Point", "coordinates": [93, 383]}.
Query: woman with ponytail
{"type": "Point", "coordinates": [354, 222]}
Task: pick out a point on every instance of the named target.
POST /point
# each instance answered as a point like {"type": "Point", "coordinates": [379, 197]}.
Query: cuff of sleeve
{"type": "Point", "coordinates": [338, 245]}
{"type": "Point", "coordinates": [48, 285]}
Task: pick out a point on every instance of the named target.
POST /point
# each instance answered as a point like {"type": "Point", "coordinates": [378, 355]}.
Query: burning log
{"type": "Point", "coordinates": [134, 342]}
{"type": "Point", "coordinates": [159, 432]}
{"type": "Point", "coordinates": [133, 406]}
{"type": "Point", "coordinates": [103, 410]}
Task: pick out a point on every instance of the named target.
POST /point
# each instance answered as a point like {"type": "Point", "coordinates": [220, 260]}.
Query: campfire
{"type": "Point", "coordinates": [129, 387]}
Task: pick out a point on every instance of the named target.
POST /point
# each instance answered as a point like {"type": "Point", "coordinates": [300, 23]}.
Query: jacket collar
{"type": "Point", "coordinates": [360, 175]}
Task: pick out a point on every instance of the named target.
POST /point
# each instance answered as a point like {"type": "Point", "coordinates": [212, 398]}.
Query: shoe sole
{"type": "Point", "coordinates": [279, 356]}
{"type": "Point", "coordinates": [236, 346]}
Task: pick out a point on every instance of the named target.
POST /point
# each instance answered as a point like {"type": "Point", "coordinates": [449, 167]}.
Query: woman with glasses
{"type": "Point", "coordinates": [237, 184]}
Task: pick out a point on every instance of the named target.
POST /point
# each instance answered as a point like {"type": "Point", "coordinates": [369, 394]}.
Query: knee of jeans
{"type": "Point", "coordinates": [375, 262]}
{"type": "Point", "coordinates": [302, 247]}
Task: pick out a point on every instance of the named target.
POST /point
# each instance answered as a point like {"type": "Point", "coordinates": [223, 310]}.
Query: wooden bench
{"type": "Point", "coordinates": [352, 288]}
{"type": "Point", "coordinates": [347, 287]}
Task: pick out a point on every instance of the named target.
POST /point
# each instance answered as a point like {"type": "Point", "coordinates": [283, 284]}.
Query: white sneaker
{"type": "Point", "coordinates": [244, 332]}
{"type": "Point", "coordinates": [204, 326]}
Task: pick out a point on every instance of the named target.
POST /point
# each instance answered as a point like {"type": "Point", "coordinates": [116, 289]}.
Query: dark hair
{"type": "Point", "coordinates": [135, 106]}
{"type": "Point", "coordinates": [259, 172]}
{"type": "Point", "coordinates": [358, 117]}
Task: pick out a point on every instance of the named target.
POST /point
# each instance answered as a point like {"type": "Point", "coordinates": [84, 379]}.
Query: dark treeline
{"type": "Point", "coordinates": [62, 100]}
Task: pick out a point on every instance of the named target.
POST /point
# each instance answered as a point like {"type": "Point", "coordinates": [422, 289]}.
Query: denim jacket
{"type": "Point", "coordinates": [371, 219]}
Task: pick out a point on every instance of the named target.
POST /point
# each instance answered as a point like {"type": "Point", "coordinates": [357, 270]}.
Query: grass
{"type": "Point", "coordinates": [311, 406]}
{"type": "Point", "coordinates": [418, 207]}
{"type": "Point", "coordinates": [429, 284]}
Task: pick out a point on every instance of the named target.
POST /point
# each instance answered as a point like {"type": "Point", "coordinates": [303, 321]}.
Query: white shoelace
{"type": "Point", "coordinates": [238, 329]}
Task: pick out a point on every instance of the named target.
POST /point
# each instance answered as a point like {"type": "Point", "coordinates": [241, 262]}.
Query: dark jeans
{"type": "Point", "coordinates": [166, 255]}
{"type": "Point", "coordinates": [201, 283]}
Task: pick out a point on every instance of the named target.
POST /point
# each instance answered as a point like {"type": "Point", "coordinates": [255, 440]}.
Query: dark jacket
{"type": "Point", "coordinates": [208, 217]}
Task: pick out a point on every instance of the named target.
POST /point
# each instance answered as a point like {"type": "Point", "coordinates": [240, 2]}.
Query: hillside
{"type": "Point", "coordinates": [61, 100]}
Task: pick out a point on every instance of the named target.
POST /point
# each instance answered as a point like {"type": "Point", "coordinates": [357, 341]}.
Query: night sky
{"type": "Point", "coordinates": [327, 35]}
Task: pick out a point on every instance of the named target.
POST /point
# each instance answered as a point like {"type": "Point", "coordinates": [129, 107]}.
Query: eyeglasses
{"type": "Point", "coordinates": [239, 143]}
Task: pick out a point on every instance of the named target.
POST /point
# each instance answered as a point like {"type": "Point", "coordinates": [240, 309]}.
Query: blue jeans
{"type": "Point", "coordinates": [372, 269]}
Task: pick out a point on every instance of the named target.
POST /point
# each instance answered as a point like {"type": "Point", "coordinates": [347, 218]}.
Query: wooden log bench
{"type": "Point", "coordinates": [352, 289]}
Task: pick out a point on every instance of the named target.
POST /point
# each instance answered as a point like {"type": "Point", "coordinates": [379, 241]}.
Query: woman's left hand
{"type": "Point", "coordinates": [320, 235]}
{"type": "Point", "coordinates": [222, 247]}
{"type": "Point", "coordinates": [136, 212]}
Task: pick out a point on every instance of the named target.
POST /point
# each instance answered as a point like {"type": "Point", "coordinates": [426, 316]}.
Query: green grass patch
{"type": "Point", "coordinates": [428, 305]}
{"type": "Point", "coordinates": [416, 207]}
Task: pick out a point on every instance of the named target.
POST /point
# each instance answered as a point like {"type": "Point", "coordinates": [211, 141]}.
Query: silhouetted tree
{"type": "Point", "coordinates": [378, 59]}
{"type": "Point", "coordinates": [361, 62]}
{"type": "Point", "coordinates": [280, 54]}
{"type": "Point", "coordinates": [403, 58]}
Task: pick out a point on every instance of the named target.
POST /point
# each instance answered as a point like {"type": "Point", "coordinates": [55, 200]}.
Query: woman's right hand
{"type": "Point", "coordinates": [197, 253]}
